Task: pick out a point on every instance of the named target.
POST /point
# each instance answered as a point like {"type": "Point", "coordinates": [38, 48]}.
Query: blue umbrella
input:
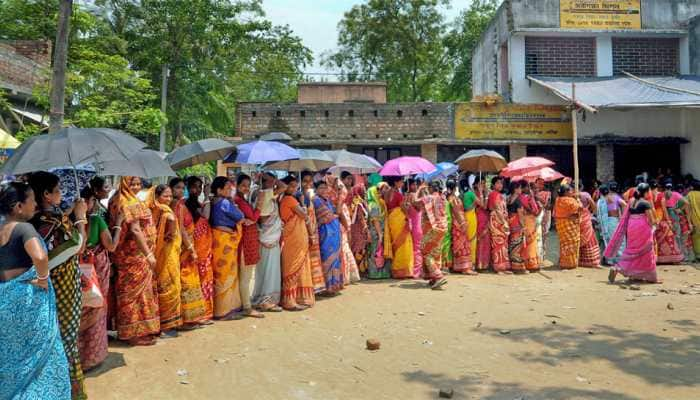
{"type": "Point", "coordinates": [261, 152]}
{"type": "Point", "coordinates": [442, 171]}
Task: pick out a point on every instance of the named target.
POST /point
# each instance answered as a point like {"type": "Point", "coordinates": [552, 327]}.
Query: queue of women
{"type": "Point", "coordinates": [192, 253]}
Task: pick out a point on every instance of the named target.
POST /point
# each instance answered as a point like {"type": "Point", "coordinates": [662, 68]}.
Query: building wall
{"type": "Point", "coordinates": [645, 56]}
{"type": "Point", "coordinates": [23, 66]}
{"type": "Point", "coordinates": [560, 56]}
{"type": "Point", "coordinates": [347, 122]}
{"type": "Point", "coordinates": [373, 92]}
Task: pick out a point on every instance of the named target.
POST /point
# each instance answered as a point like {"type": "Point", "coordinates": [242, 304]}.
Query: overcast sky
{"type": "Point", "coordinates": [316, 21]}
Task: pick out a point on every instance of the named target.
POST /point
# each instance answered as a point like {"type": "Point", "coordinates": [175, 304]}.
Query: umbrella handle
{"type": "Point", "coordinates": [75, 175]}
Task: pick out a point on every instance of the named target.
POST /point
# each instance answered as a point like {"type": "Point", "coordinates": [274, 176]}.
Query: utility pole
{"type": "Point", "coordinates": [575, 135]}
{"type": "Point", "coordinates": [163, 104]}
{"type": "Point", "coordinates": [60, 59]}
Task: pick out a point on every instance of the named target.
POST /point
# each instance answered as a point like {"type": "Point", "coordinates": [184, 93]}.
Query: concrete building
{"type": "Point", "coordinates": [635, 65]}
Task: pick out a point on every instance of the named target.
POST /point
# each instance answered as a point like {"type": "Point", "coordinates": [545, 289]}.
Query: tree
{"type": "Point", "coordinates": [400, 41]}
{"type": "Point", "coordinates": [60, 61]}
{"type": "Point", "coordinates": [460, 43]}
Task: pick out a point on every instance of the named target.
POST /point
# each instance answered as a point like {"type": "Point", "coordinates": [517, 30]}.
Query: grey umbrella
{"type": "Point", "coordinates": [353, 162]}
{"type": "Point", "coordinates": [71, 147]}
{"type": "Point", "coordinates": [309, 160]}
{"type": "Point", "coordinates": [199, 152]}
{"type": "Point", "coordinates": [276, 137]}
{"type": "Point", "coordinates": [145, 164]}
{"type": "Point", "coordinates": [481, 161]}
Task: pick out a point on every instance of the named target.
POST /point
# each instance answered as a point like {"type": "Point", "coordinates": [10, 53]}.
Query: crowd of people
{"type": "Point", "coordinates": [190, 253]}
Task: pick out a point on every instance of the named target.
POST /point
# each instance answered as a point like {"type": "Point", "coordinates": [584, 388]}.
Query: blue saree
{"type": "Point", "coordinates": [608, 225]}
{"type": "Point", "coordinates": [330, 241]}
{"type": "Point", "coordinates": [33, 362]}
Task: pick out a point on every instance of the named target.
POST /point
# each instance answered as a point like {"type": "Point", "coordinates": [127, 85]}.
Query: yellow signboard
{"type": "Point", "coordinates": [512, 121]}
{"type": "Point", "coordinates": [600, 14]}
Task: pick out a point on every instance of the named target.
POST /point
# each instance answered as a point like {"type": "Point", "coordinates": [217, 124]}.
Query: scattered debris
{"type": "Point", "coordinates": [582, 379]}
{"type": "Point", "coordinates": [183, 382]}
{"type": "Point", "coordinates": [635, 287]}
{"type": "Point", "coordinates": [591, 333]}
{"type": "Point", "coordinates": [373, 344]}
{"type": "Point", "coordinates": [682, 269]}
{"type": "Point", "coordinates": [623, 287]}
{"type": "Point", "coordinates": [359, 369]}
{"type": "Point", "coordinates": [427, 342]}
{"type": "Point", "coordinates": [569, 307]}
{"type": "Point", "coordinates": [664, 291]}
{"type": "Point", "coordinates": [554, 322]}
{"type": "Point", "coordinates": [182, 372]}
{"type": "Point", "coordinates": [446, 393]}
{"type": "Point", "coordinates": [421, 313]}
{"type": "Point", "coordinates": [504, 332]}
{"type": "Point", "coordinates": [221, 360]}
{"type": "Point", "coordinates": [670, 306]}
{"type": "Point", "coordinates": [553, 316]}
{"type": "Point", "coordinates": [478, 325]}
{"type": "Point", "coordinates": [683, 291]}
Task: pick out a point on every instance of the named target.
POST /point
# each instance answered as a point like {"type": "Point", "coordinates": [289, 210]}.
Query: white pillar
{"type": "Point", "coordinates": [684, 56]}
{"type": "Point", "coordinates": [604, 56]}
{"type": "Point", "coordinates": [516, 66]}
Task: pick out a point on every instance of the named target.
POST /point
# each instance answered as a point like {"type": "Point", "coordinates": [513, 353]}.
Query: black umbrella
{"type": "Point", "coordinates": [145, 164]}
{"type": "Point", "coordinates": [199, 152]}
{"type": "Point", "coordinates": [71, 147]}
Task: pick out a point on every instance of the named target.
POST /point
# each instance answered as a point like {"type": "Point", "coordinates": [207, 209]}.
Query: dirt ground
{"type": "Point", "coordinates": [554, 335]}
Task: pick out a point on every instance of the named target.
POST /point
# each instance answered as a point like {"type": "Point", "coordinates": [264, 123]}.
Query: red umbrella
{"type": "Point", "coordinates": [546, 173]}
{"type": "Point", "coordinates": [525, 165]}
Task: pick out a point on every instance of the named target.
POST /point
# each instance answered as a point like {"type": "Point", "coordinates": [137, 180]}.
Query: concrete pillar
{"type": "Point", "coordinates": [339, 147]}
{"type": "Point", "coordinates": [684, 56]}
{"type": "Point", "coordinates": [605, 162]}
{"type": "Point", "coordinates": [604, 56]}
{"type": "Point", "coordinates": [517, 151]}
{"type": "Point", "coordinates": [429, 152]}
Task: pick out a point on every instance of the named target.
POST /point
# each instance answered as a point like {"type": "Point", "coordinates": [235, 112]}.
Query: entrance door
{"type": "Point", "coordinates": [563, 158]}
{"type": "Point", "coordinates": [632, 160]}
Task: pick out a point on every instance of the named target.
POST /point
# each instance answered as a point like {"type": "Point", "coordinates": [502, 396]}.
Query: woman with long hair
{"type": "Point", "coordinates": [679, 210]}
{"type": "Point", "coordinates": [61, 237]}
{"type": "Point", "coordinates": [249, 251]}
{"type": "Point", "coordinates": [100, 241]}
{"type": "Point", "coordinates": [529, 225]}
{"type": "Point", "coordinates": [498, 227]}
{"type": "Point", "coordinates": [359, 228]}
{"type": "Point", "coordinates": [446, 247]}
{"type": "Point", "coordinates": [33, 359]}
{"type": "Point", "coordinates": [297, 285]}
{"type": "Point", "coordinates": [329, 239]}
{"type": "Point", "coordinates": [610, 208]}
{"type": "Point", "coordinates": [434, 228]}
{"type": "Point", "coordinates": [469, 203]}
{"type": "Point", "coordinates": [306, 198]}
{"type": "Point", "coordinates": [226, 220]}
{"type": "Point", "coordinates": [517, 250]}
{"type": "Point", "coordinates": [694, 216]}
{"type": "Point", "coordinates": [461, 246]}
{"type": "Point", "coordinates": [567, 217]}
{"type": "Point", "coordinates": [350, 268]}
{"type": "Point", "coordinates": [135, 286]}
{"type": "Point", "coordinates": [415, 223]}
{"type": "Point", "coordinates": [544, 219]}
{"type": "Point", "coordinates": [483, 236]}
{"type": "Point", "coordinates": [192, 305]}
{"type": "Point", "coordinates": [589, 254]}
{"type": "Point", "coordinates": [638, 261]}
{"type": "Point", "coordinates": [398, 234]}
{"type": "Point", "coordinates": [668, 251]}
{"type": "Point", "coordinates": [378, 267]}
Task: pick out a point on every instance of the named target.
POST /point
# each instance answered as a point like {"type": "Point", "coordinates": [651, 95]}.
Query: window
{"type": "Point", "coordinates": [376, 113]}
{"type": "Point", "coordinates": [278, 113]}
{"type": "Point", "coordinates": [351, 113]}
{"type": "Point", "coordinates": [302, 113]}
{"type": "Point", "coordinates": [255, 114]}
{"type": "Point", "coordinates": [326, 114]}
{"type": "Point", "coordinates": [424, 113]}
{"type": "Point", "coordinates": [399, 113]}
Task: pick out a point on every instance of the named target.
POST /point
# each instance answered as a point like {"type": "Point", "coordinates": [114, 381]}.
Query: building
{"type": "Point", "coordinates": [634, 65]}
{"type": "Point", "coordinates": [353, 116]}
{"type": "Point", "coordinates": [23, 65]}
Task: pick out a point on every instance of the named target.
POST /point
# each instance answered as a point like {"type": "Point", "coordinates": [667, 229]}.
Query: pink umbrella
{"type": "Point", "coordinates": [525, 165]}
{"type": "Point", "coordinates": [546, 173]}
{"type": "Point", "coordinates": [404, 166]}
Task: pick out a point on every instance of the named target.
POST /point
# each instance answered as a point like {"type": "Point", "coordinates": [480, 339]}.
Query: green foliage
{"type": "Point", "coordinates": [208, 170]}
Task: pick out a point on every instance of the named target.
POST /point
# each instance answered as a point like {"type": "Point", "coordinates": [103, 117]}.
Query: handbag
{"type": "Point", "coordinates": [89, 285]}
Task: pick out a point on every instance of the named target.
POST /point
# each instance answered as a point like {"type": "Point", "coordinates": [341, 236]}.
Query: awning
{"type": "Point", "coordinates": [8, 141]}
{"type": "Point", "coordinates": [626, 91]}
{"type": "Point", "coordinates": [37, 118]}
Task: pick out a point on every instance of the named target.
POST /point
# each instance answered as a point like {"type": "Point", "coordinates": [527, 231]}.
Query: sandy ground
{"type": "Point", "coordinates": [555, 335]}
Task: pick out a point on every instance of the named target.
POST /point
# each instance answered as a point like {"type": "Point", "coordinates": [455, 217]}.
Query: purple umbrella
{"type": "Point", "coordinates": [261, 152]}
{"type": "Point", "coordinates": [404, 166]}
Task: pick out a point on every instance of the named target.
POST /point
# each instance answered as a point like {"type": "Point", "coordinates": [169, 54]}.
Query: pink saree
{"type": "Point", "coordinates": [638, 261]}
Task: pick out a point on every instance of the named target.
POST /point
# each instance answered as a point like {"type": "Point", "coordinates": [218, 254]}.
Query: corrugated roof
{"type": "Point", "coordinates": [626, 91]}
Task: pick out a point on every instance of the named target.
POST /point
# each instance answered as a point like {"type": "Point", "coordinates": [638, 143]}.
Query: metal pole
{"type": "Point", "coordinates": [163, 104]}
{"type": "Point", "coordinates": [575, 136]}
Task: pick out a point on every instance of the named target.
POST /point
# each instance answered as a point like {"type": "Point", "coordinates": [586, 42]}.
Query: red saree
{"type": "Point", "coordinates": [461, 245]}
{"type": "Point", "coordinates": [498, 228]}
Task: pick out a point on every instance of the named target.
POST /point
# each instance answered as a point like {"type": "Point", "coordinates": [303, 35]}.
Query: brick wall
{"type": "Point", "coordinates": [645, 56]}
{"type": "Point", "coordinates": [23, 64]}
{"type": "Point", "coordinates": [560, 56]}
{"type": "Point", "coordinates": [347, 121]}
{"type": "Point", "coordinates": [311, 93]}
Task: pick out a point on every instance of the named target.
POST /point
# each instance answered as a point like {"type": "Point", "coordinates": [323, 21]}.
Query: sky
{"type": "Point", "coordinates": [316, 21]}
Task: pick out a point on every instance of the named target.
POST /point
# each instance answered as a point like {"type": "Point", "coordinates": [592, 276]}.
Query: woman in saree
{"type": "Point", "coordinates": [329, 239]}
{"type": "Point", "coordinates": [359, 228]}
{"type": "Point", "coordinates": [469, 202]}
{"type": "Point", "coordinates": [498, 227]}
{"type": "Point", "coordinates": [610, 208]}
{"type": "Point", "coordinates": [447, 256]}
{"type": "Point", "coordinates": [567, 217]}
{"type": "Point", "coordinates": [34, 364]}
{"type": "Point", "coordinates": [352, 272]}
{"type": "Point", "coordinates": [544, 219]}
{"type": "Point", "coordinates": [398, 237]}
{"type": "Point", "coordinates": [61, 238]}
{"type": "Point", "coordinates": [378, 267]}
{"type": "Point", "coordinates": [483, 236]}
{"type": "Point", "coordinates": [682, 209]}
{"type": "Point", "coordinates": [434, 228]}
{"type": "Point", "coordinates": [192, 306]}
{"type": "Point", "coordinates": [461, 246]}
{"type": "Point", "coordinates": [694, 216]}
{"type": "Point", "coordinates": [517, 250]}
{"type": "Point", "coordinates": [92, 336]}
{"type": "Point", "coordinates": [226, 220]}
{"type": "Point", "coordinates": [589, 254]}
{"type": "Point", "coordinates": [415, 224]}
{"type": "Point", "coordinates": [194, 220]}
{"type": "Point", "coordinates": [297, 286]}
{"type": "Point", "coordinates": [306, 198]}
{"type": "Point", "coordinates": [529, 224]}
{"type": "Point", "coordinates": [135, 286]}
{"type": "Point", "coordinates": [167, 252]}
{"type": "Point", "coordinates": [677, 210]}
{"type": "Point", "coordinates": [668, 251]}
{"type": "Point", "coordinates": [249, 250]}
{"type": "Point", "coordinates": [268, 276]}
{"type": "Point", "coordinates": [638, 261]}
